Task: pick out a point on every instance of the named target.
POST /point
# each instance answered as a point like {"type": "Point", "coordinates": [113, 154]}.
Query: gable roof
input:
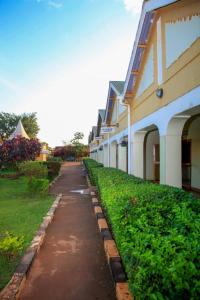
{"type": "Point", "coordinates": [143, 32]}
{"type": "Point", "coordinates": [101, 114]}
{"type": "Point", "coordinates": [115, 89]}
{"type": "Point", "coordinates": [19, 131]}
{"type": "Point", "coordinates": [100, 120]}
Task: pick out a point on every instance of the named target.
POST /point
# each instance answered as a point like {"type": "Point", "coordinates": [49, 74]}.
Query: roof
{"type": "Point", "coordinates": [94, 130]}
{"type": "Point", "coordinates": [90, 137]}
{"type": "Point", "coordinates": [115, 89]}
{"type": "Point", "coordinates": [143, 32]}
{"type": "Point", "coordinates": [19, 131]}
{"type": "Point", "coordinates": [118, 86]}
{"type": "Point", "coordinates": [102, 113]}
{"type": "Point", "coordinates": [101, 116]}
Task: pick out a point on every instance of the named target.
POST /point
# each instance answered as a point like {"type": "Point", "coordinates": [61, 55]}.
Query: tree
{"type": "Point", "coordinates": [19, 149]}
{"type": "Point", "coordinates": [77, 137]}
{"type": "Point", "coordinates": [80, 148]}
{"type": "Point", "coordinates": [8, 123]}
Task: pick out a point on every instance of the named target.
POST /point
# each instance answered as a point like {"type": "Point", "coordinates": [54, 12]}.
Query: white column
{"type": "Point", "coordinates": [113, 148]}
{"type": "Point", "coordinates": [138, 153]}
{"type": "Point", "coordinates": [171, 152]}
{"type": "Point", "coordinates": [122, 158]}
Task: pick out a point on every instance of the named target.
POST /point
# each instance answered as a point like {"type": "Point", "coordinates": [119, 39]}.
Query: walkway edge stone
{"type": "Point", "coordinates": [15, 285]}
{"type": "Point", "coordinates": [112, 254]}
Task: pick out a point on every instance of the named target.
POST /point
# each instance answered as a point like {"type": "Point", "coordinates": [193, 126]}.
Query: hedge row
{"type": "Point", "coordinates": [91, 165]}
{"type": "Point", "coordinates": [157, 230]}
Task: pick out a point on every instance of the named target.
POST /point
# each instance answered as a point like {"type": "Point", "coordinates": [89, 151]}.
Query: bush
{"type": "Point", "coordinates": [91, 165]}
{"type": "Point", "coordinates": [19, 149]}
{"type": "Point", "coordinates": [10, 245]}
{"type": "Point", "coordinates": [53, 168]}
{"type": "Point", "coordinates": [52, 158]}
{"type": "Point", "coordinates": [33, 169]}
{"type": "Point", "coordinates": [156, 228]}
{"type": "Point", "coordinates": [38, 186]}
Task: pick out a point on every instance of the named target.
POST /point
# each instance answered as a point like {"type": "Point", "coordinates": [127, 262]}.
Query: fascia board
{"type": "Point", "coordinates": [148, 6]}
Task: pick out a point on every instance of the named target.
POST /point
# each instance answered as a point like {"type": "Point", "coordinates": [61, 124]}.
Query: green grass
{"type": "Point", "coordinates": [21, 215]}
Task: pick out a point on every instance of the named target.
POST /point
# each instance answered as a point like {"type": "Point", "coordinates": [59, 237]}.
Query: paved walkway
{"type": "Point", "coordinates": [71, 263]}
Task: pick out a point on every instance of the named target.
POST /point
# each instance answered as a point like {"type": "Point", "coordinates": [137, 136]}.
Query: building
{"type": "Point", "coordinates": [162, 95]}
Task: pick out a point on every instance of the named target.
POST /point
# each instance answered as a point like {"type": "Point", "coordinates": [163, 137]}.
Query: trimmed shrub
{"type": "Point", "coordinates": [11, 245]}
{"type": "Point", "coordinates": [157, 230]}
{"type": "Point", "coordinates": [33, 169]}
{"type": "Point", "coordinates": [38, 186]}
{"type": "Point", "coordinates": [53, 168]}
{"type": "Point", "coordinates": [91, 165]}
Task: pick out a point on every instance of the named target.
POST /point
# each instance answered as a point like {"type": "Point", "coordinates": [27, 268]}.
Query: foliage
{"type": "Point", "coordinates": [38, 186]}
{"type": "Point", "coordinates": [91, 165]}
{"type": "Point", "coordinates": [33, 169]}
{"type": "Point", "coordinates": [53, 168]}
{"type": "Point", "coordinates": [64, 152]}
{"type": "Point", "coordinates": [21, 216]}
{"type": "Point", "coordinates": [80, 149]}
{"type": "Point", "coordinates": [70, 152]}
{"type": "Point", "coordinates": [19, 149]}
{"type": "Point", "coordinates": [11, 245]}
{"type": "Point", "coordinates": [8, 123]}
{"type": "Point", "coordinates": [156, 228]}
{"type": "Point", "coordinates": [52, 158]}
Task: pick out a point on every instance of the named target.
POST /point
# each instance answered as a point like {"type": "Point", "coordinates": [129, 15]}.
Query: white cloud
{"type": "Point", "coordinates": [133, 6]}
{"type": "Point", "coordinates": [55, 4]}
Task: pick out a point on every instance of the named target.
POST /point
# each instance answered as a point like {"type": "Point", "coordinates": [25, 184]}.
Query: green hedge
{"type": "Point", "coordinates": [157, 230]}
{"type": "Point", "coordinates": [91, 165]}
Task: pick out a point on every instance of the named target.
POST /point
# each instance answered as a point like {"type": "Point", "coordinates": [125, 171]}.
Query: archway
{"type": "Point", "coordinates": [191, 154]}
{"type": "Point", "coordinates": [152, 155]}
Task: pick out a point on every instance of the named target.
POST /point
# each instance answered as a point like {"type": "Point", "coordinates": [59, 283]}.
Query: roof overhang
{"type": "Point", "coordinates": [145, 23]}
{"type": "Point", "coordinates": [112, 94]}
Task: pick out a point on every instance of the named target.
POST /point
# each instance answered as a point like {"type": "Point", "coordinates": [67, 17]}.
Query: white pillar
{"type": "Point", "coordinates": [105, 156]}
{"type": "Point", "coordinates": [122, 158]}
{"type": "Point", "coordinates": [113, 148]}
{"type": "Point", "coordinates": [171, 152]}
{"type": "Point", "coordinates": [138, 153]}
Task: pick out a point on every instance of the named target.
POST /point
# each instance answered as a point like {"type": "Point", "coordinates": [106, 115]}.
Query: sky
{"type": "Point", "coordinates": [58, 56]}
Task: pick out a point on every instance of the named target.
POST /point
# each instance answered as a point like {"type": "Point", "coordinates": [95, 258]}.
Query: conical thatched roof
{"type": "Point", "coordinates": [19, 131]}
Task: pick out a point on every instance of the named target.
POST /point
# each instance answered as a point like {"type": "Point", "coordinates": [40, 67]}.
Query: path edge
{"type": "Point", "coordinates": [14, 287]}
{"type": "Point", "coordinates": [111, 251]}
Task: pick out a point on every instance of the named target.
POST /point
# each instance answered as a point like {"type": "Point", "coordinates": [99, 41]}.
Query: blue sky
{"type": "Point", "coordinates": [57, 57]}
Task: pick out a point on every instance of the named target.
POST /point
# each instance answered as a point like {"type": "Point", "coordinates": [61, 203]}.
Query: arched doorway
{"type": "Point", "coordinates": [191, 154]}
{"type": "Point", "coordinates": [152, 155]}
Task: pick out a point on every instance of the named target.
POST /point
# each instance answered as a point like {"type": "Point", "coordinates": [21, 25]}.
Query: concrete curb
{"type": "Point", "coordinates": [112, 254]}
{"type": "Point", "coordinates": [13, 288]}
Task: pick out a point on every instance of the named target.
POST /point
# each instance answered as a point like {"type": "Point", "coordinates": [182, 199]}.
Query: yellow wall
{"type": "Point", "coordinates": [181, 77]}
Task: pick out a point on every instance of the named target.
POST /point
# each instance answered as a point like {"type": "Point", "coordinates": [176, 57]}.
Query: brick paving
{"type": "Point", "coordinates": [71, 263]}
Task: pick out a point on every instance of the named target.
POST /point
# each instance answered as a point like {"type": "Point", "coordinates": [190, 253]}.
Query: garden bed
{"type": "Point", "coordinates": [20, 215]}
{"type": "Point", "coordinates": [156, 229]}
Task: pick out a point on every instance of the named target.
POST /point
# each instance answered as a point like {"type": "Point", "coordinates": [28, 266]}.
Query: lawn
{"type": "Point", "coordinates": [21, 215]}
